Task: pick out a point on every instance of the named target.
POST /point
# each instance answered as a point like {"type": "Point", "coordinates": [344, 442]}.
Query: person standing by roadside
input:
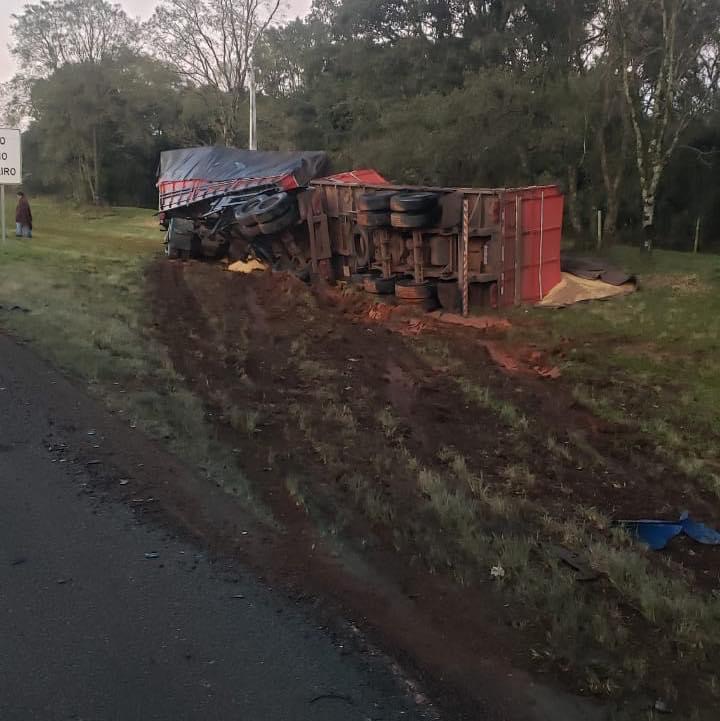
{"type": "Point", "coordinates": [23, 217]}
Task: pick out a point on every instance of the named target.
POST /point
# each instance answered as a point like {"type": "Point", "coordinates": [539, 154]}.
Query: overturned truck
{"type": "Point", "coordinates": [491, 247]}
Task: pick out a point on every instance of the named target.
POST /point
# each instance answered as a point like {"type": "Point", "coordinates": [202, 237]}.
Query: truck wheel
{"type": "Point", "coordinates": [413, 220]}
{"type": "Point", "coordinates": [413, 202]}
{"type": "Point", "coordinates": [288, 218]}
{"type": "Point", "coordinates": [410, 290]}
{"type": "Point", "coordinates": [359, 278]}
{"type": "Point", "coordinates": [272, 207]}
{"type": "Point", "coordinates": [375, 201]}
{"type": "Point", "coordinates": [372, 219]}
{"type": "Point", "coordinates": [379, 286]}
{"type": "Point", "coordinates": [362, 247]}
{"type": "Point", "coordinates": [244, 212]}
{"type": "Point", "coordinates": [449, 295]}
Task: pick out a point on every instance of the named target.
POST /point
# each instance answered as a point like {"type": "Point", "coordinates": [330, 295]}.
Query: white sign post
{"type": "Point", "coordinates": [10, 167]}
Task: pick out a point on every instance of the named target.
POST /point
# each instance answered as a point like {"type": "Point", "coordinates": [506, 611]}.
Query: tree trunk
{"type": "Point", "coordinates": [573, 209]}
{"type": "Point", "coordinates": [96, 169]}
{"type": "Point", "coordinates": [648, 220]}
{"type": "Point", "coordinates": [611, 214]}
{"type": "Point", "coordinates": [87, 177]}
{"type": "Point", "coordinates": [612, 181]}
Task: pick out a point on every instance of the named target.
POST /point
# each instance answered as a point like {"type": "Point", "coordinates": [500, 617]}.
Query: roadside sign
{"type": "Point", "coordinates": [10, 166]}
{"type": "Point", "coordinates": [10, 157]}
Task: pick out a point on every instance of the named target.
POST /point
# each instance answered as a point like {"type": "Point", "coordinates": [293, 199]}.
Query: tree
{"type": "Point", "coordinates": [210, 43]}
{"type": "Point", "coordinates": [49, 34]}
{"type": "Point", "coordinates": [668, 63]}
{"type": "Point", "coordinates": [98, 128]}
{"type": "Point", "coordinates": [52, 33]}
{"type": "Point", "coordinates": [612, 140]}
{"type": "Point", "coordinates": [281, 56]}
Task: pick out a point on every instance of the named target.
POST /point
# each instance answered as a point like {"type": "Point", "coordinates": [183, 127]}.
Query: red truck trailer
{"type": "Point", "coordinates": [497, 246]}
{"type": "Point", "coordinates": [494, 247]}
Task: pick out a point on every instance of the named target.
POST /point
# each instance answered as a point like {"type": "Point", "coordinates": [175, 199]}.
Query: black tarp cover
{"type": "Point", "coordinates": [190, 175]}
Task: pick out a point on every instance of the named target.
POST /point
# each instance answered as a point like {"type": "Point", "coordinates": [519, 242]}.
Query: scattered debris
{"type": "Point", "coordinates": [590, 268]}
{"type": "Point", "coordinates": [585, 572]}
{"type": "Point", "coordinates": [497, 572]}
{"type": "Point", "coordinates": [333, 696]}
{"type": "Point", "coordinates": [499, 356]}
{"type": "Point", "coordinates": [657, 534]}
{"type": "Point", "coordinates": [553, 372]}
{"type": "Point", "coordinates": [481, 322]}
{"type": "Point", "coordinates": [572, 289]}
{"type": "Point", "coordinates": [247, 266]}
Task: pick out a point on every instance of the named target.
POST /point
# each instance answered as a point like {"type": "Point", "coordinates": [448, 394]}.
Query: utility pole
{"type": "Point", "coordinates": [252, 145]}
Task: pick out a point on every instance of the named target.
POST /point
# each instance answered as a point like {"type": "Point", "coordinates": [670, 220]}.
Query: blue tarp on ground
{"type": "Point", "coordinates": [657, 534]}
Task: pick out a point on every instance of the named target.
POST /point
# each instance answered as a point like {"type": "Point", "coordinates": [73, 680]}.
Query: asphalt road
{"type": "Point", "coordinates": [94, 627]}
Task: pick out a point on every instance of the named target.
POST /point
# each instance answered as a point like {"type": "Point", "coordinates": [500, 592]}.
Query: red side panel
{"type": "Point", "coordinates": [176, 193]}
{"type": "Point", "coordinates": [541, 213]}
{"type": "Point", "coordinates": [358, 177]}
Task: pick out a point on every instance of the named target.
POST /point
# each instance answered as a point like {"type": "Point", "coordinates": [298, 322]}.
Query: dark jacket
{"type": "Point", "coordinates": [22, 212]}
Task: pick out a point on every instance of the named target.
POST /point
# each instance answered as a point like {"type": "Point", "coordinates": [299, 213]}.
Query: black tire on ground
{"type": "Point", "coordinates": [410, 290]}
{"type": "Point", "coordinates": [244, 212]}
{"type": "Point", "coordinates": [272, 207]}
{"type": "Point", "coordinates": [413, 220]}
{"type": "Point", "coordinates": [375, 201]}
{"type": "Point", "coordinates": [413, 202]}
{"type": "Point", "coordinates": [288, 218]}
{"type": "Point", "coordinates": [359, 278]}
{"type": "Point", "coordinates": [449, 295]}
{"type": "Point", "coordinates": [379, 286]}
{"type": "Point", "coordinates": [371, 219]}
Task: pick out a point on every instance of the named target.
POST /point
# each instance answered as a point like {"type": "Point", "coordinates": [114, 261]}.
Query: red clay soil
{"type": "Point", "coordinates": [266, 341]}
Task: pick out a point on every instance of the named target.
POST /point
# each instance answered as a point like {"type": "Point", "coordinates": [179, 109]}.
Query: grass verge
{"type": "Point", "coordinates": [76, 292]}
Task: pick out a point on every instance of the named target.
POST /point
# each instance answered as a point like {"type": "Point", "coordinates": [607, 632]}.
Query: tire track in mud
{"type": "Point", "coordinates": [304, 360]}
{"type": "Point", "coordinates": [458, 642]}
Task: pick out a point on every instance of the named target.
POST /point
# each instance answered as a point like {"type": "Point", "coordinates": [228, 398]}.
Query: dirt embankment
{"type": "Point", "coordinates": [406, 461]}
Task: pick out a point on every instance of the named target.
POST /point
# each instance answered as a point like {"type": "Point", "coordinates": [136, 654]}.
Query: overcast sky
{"type": "Point", "coordinates": [135, 8]}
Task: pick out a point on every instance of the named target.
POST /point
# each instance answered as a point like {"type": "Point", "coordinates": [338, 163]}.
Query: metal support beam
{"type": "Point", "coordinates": [518, 249]}
{"type": "Point", "coordinates": [464, 252]}
{"type": "Point", "coordinates": [418, 270]}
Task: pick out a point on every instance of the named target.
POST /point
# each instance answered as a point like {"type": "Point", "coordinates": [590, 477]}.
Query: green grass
{"type": "Point", "coordinates": [648, 360]}
{"type": "Point", "coordinates": [81, 281]}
